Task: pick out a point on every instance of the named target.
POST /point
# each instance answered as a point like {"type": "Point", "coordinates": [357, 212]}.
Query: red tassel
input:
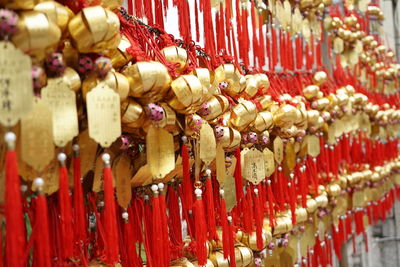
{"type": "Point", "coordinates": [271, 208]}
{"type": "Point", "coordinates": [174, 218]}
{"type": "Point", "coordinates": [79, 209]}
{"type": "Point", "coordinates": [212, 229]}
{"type": "Point", "coordinates": [110, 219]}
{"type": "Point", "coordinates": [201, 235]}
{"type": "Point", "coordinates": [157, 252]}
{"type": "Point", "coordinates": [258, 218]}
{"type": "Point", "coordinates": [232, 257]}
{"type": "Point", "coordinates": [238, 176]}
{"type": "Point", "coordinates": [225, 227]}
{"type": "Point", "coordinates": [187, 196]}
{"type": "Point", "coordinates": [42, 255]}
{"type": "Point", "coordinates": [15, 228]}
{"type": "Point", "coordinates": [292, 200]}
{"type": "Point", "coordinates": [65, 210]}
{"type": "Point", "coordinates": [130, 240]}
{"type": "Point", "coordinates": [164, 225]}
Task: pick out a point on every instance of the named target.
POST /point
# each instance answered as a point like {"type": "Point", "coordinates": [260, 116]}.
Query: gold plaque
{"type": "Point", "coordinates": [16, 92]}
{"type": "Point", "coordinates": [220, 164]}
{"type": "Point", "coordinates": [230, 193]}
{"type": "Point", "coordinates": [160, 152]}
{"type": "Point", "coordinates": [104, 119]}
{"type": "Point", "coordinates": [313, 145]}
{"type": "Point", "coordinates": [122, 171]}
{"type": "Point", "coordinates": [62, 102]}
{"type": "Point", "coordinates": [278, 150]}
{"type": "Point", "coordinates": [207, 144]}
{"type": "Point", "coordinates": [269, 162]}
{"type": "Point", "coordinates": [290, 158]}
{"type": "Point", "coordinates": [254, 171]}
{"type": "Point", "coordinates": [37, 148]}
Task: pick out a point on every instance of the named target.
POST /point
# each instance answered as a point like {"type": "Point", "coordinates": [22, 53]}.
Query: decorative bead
{"type": "Point", "coordinates": [101, 204]}
{"type": "Point", "coordinates": [125, 215]}
{"type": "Point", "coordinates": [75, 147]}
{"type": "Point", "coordinates": [208, 172]}
{"type": "Point", "coordinates": [184, 139]}
{"type": "Point", "coordinates": [61, 157]}
{"type": "Point", "coordinates": [219, 132]}
{"type": "Point", "coordinates": [198, 192]}
{"type": "Point", "coordinates": [223, 85]}
{"type": "Point", "coordinates": [8, 23]}
{"type": "Point", "coordinates": [39, 77]}
{"type": "Point", "coordinates": [155, 112]}
{"type": "Point", "coordinates": [221, 192]}
{"type": "Point", "coordinates": [204, 110]}
{"type": "Point", "coordinates": [38, 182]}
{"type": "Point", "coordinates": [102, 66]}
{"type": "Point", "coordinates": [154, 188]}
{"type": "Point", "coordinates": [23, 188]}
{"type": "Point", "coordinates": [55, 64]}
{"type": "Point", "coordinates": [106, 157]}
{"type": "Point", "coordinates": [85, 65]}
{"type": "Point", "coordinates": [10, 137]}
{"type": "Point", "coordinates": [271, 245]}
{"type": "Point", "coordinates": [161, 186]}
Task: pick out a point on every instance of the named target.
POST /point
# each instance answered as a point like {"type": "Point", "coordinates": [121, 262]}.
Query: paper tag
{"type": "Point", "coordinates": [278, 150]}
{"type": "Point", "coordinates": [220, 164]}
{"type": "Point", "coordinates": [254, 171]}
{"type": "Point", "coordinates": [160, 152]}
{"type": "Point", "coordinates": [104, 119]}
{"type": "Point", "coordinates": [207, 144]}
{"type": "Point", "coordinates": [16, 92]}
{"type": "Point", "coordinates": [62, 102]}
{"type": "Point", "coordinates": [37, 148]}
{"type": "Point", "coordinates": [269, 162]}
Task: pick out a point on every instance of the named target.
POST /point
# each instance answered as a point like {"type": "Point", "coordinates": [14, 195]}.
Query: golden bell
{"type": "Point", "coordinates": [94, 30]}
{"type": "Point", "coordinates": [322, 201]}
{"type": "Point", "coordinates": [176, 55]}
{"type": "Point", "coordinates": [301, 215]}
{"type": "Point", "coordinates": [120, 57]}
{"type": "Point", "coordinates": [72, 78]}
{"type": "Point", "coordinates": [311, 205]}
{"type": "Point", "coordinates": [148, 81]}
{"type": "Point", "coordinates": [214, 107]}
{"type": "Point", "coordinates": [246, 255]}
{"type": "Point", "coordinates": [231, 138]}
{"type": "Point", "coordinates": [111, 4]}
{"type": "Point", "coordinates": [20, 4]}
{"type": "Point", "coordinates": [252, 239]}
{"type": "Point", "coordinates": [186, 90]}
{"type": "Point", "coordinates": [320, 78]}
{"type": "Point", "coordinates": [217, 258]}
{"type": "Point", "coordinates": [132, 113]}
{"type": "Point", "coordinates": [286, 116]}
{"type": "Point", "coordinates": [57, 13]}
{"type": "Point", "coordinates": [252, 85]}
{"type": "Point", "coordinates": [183, 262]}
{"type": "Point", "coordinates": [36, 33]}
{"type": "Point", "coordinates": [310, 91]}
{"type": "Point", "coordinates": [263, 121]}
{"type": "Point", "coordinates": [243, 114]}
{"type": "Point", "coordinates": [265, 101]}
{"type": "Point", "coordinates": [230, 74]}
{"type": "Point", "coordinates": [115, 80]}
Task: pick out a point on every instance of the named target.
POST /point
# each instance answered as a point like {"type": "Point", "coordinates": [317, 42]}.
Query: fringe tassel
{"type": "Point", "coordinates": [212, 229]}
{"type": "Point", "coordinates": [157, 252]}
{"type": "Point", "coordinates": [65, 210]}
{"type": "Point", "coordinates": [201, 235]}
{"type": "Point", "coordinates": [225, 227]}
{"type": "Point", "coordinates": [15, 228]}
{"type": "Point", "coordinates": [258, 218]}
{"type": "Point", "coordinates": [42, 254]}
{"type": "Point", "coordinates": [164, 225]}
{"type": "Point", "coordinates": [110, 219]}
{"type": "Point", "coordinates": [187, 196]}
{"type": "Point", "coordinates": [232, 256]}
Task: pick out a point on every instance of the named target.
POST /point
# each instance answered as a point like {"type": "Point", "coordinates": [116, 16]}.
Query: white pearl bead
{"type": "Point", "coordinates": [229, 218]}
{"type": "Point", "coordinates": [161, 186]}
{"type": "Point", "coordinates": [75, 147]}
{"type": "Point", "coordinates": [125, 215]}
{"type": "Point", "coordinates": [208, 172]}
{"type": "Point", "coordinates": [256, 190]}
{"type": "Point", "coordinates": [184, 138]}
{"type": "Point", "coordinates": [10, 137]}
{"type": "Point", "coordinates": [24, 187]}
{"type": "Point", "coordinates": [292, 175]}
{"type": "Point", "coordinates": [280, 168]}
{"type": "Point", "coordinates": [106, 157]}
{"type": "Point", "coordinates": [38, 182]}
{"type": "Point", "coordinates": [154, 188]}
{"type": "Point", "coordinates": [222, 192]}
{"type": "Point", "coordinates": [101, 204]}
{"type": "Point", "coordinates": [61, 157]}
{"type": "Point", "coordinates": [198, 192]}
